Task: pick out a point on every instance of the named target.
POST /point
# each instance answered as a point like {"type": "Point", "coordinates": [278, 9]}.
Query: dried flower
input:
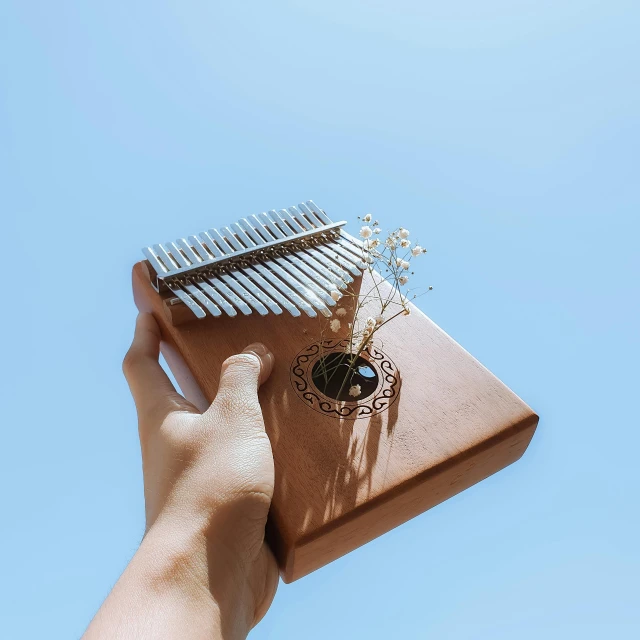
{"type": "Point", "coordinates": [377, 230]}
{"type": "Point", "coordinates": [405, 243]}
{"type": "Point", "coordinates": [334, 325]}
{"type": "Point", "coordinates": [403, 280]}
{"type": "Point", "coordinates": [379, 320]}
{"type": "Point", "coordinates": [398, 262]}
{"type": "Point", "coordinates": [336, 295]}
{"type": "Point", "coordinates": [365, 232]}
{"type": "Point", "coordinates": [417, 250]}
{"type": "Point", "coordinates": [403, 233]}
{"type": "Point", "coordinates": [355, 390]}
{"type": "Point", "coordinates": [404, 264]}
{"type": "Point", "coordinates": [407, 311]}
{"type": "Point", "coordinates": [370, 322]}
{"type": "Point", "coordinates": [341, 311]}
{"type": "Point", "coordinates": [367, 218]}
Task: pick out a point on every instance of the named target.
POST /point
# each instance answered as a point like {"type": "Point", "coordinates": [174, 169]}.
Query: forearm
{"type": "Point", "coordinates": [166, 590]}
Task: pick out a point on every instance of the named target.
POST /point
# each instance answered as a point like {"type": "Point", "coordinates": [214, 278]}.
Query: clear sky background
{"type": "Point", "coordinates": [503, 133]}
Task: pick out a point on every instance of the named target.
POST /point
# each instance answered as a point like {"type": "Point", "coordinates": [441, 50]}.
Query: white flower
{"type": "Point", "coordinates": [403, 280]}
{"type": "Point", "coordinates": [404, 264]}
{"type": "Point", "coordinates": [334, 325]}
{"type": "Point", "coordinates": [403, 233]}
{"type": "Point", "coordinates": [336, 295]}
{"type": "Point", "coordinates": [374, 243]}
{"type": "Point", "coordinates": [341, 311]}
{"type": "Point", "coordinates": [377, 230]}
{"type": "Point", "coordinates": [417, 250]}
{"type": "Point", "coordinates": [379, 320]}
{"type": "Point", "coordinates": [370, 322]}
{"type": "Point", "coordinates": [398, 262]}
{"type": "Point", "coordinates": [369, 259]}
{"type": "Point", "coordinates": [355, 390]}
{"type": "Point", "coordinates": [405, 243]}
{"type": "Point", "coordinates": [365, 232]}
{"type": "Point", "coordinates": [367, 218]}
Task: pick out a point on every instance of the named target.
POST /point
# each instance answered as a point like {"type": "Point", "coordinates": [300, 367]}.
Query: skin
{"type": "Point", "coordinates": [202, 569]}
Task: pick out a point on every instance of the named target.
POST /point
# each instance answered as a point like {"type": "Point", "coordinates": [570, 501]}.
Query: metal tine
{"type": "Point", "coordinates": [300, 219]}
{"type": "Point", "coordinates": [266, 274]}
{"type": "Point", "coordinates": [299, 255]}
{"type": "Point", "coordinates": [308, 282]}
{"type": "Point", "coordinates": [201, 297]}
{"type": "Point", "coordinates": [303, 287]}
{"type": "Point", "coordinates": [215, 287]}
{"type": "Point", "coordinates": [214, 294]}
{"type": "Point", "coordinates": [330, 270]}
{"type": "Point", "coordinates": [327, 286]}
{"type": "Point", "coordinates": [229, 294]}
{"type": "Point", "coordinates": [306, 267]}
{"type": "Point", "coordinates": [300, 283]}
{"type": "Point", "coordinates": [347, 263]}
{"type": "Point", "coordinates": [231, 239]}
{"type": "Point", "coordinates": [155, 261]}
{"type": "Point", "coordinates": [247, 296]}
{"type": "Point", "coordinates": [288, 262]}
{"type": "Point", "coordinates": [187, 299]}
{"type": "Point", "coordinates": [251, 232]}
{"type": "Point", "coordinates": [199, 248]}
{"type": "Point", "coordinates": [169, 262]}
{"type": "Point", "coordinates": [272, 226]}
{"type": "Point", "coordinates": [263, 297]}
{"type": "Point", "coordinates": [352, 245]}
{"type": "Point", "coordinates": [320, 214]}
{"type": "Point", "coordinates": [188, 251]}
{"type": "Point", "coordinates": [178, 257]}
{"type": "Point", "coordinates": [210, 244]}
{"type": "Point", "coordinates": [339, 255]}
{"type": "Point", "coordinates": [229, 236]}
{"type": "Point", "coordinates": [348, 255]}
{"type": "Point", "coordinates": [199, 291]}
{"type": "Point", "coordinates": [249, 271]}
{"type": "Point", "coordinates": [354, 241]}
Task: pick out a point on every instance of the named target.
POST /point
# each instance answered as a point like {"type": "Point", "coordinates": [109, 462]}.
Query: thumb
{"type": "Point", "coordinates": [240, 378]}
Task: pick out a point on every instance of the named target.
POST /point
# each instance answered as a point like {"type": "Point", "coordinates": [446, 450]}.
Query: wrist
{"type": "Point", "coordinates": [186, 557]}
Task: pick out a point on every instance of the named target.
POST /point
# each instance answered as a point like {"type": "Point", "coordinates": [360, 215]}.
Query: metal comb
{"type": "Point", "coordinates": [292, 259]}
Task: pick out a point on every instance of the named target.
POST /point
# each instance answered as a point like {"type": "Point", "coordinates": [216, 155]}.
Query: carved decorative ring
{"type": "Point", "coordinates": [380, 400]}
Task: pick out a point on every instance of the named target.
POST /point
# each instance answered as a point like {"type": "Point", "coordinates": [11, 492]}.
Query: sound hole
{"type": "Point", "coordinates": [332, 377]}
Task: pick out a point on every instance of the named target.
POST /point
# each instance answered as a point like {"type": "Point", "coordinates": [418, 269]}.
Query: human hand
{"type": "Point", "coordinates": [208, 484]}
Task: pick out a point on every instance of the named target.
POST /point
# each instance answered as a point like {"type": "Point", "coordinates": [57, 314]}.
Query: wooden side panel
{"type": "Point", "coordinates": [341, 482]}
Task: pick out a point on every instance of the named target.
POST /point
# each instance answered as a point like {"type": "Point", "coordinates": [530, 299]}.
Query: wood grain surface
{"type": "Point", "coordinates": [342, 482]}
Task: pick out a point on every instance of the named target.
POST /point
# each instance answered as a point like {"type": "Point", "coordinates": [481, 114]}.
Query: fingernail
{"type": "Point", "coordinates": [265, 356]}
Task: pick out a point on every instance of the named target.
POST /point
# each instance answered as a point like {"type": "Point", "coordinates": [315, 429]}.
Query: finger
{"type": "Point", "coordinates": [241, 376]}
{"type": "Point", "coordinates": [152, 391]}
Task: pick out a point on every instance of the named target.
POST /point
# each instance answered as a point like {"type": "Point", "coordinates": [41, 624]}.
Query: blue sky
{"type": "Point", "coordinates": [504, 134]}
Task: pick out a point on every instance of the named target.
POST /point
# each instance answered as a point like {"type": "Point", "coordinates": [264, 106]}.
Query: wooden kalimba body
{"type": "Point", "coordinates": [434, 423]}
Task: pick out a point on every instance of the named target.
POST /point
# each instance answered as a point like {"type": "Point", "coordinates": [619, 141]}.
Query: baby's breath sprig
{"type": "Point", "coordinates": [387, 260]}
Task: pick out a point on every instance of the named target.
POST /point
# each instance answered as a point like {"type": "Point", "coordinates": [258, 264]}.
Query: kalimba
{"type": "Point", "coordinates": [430, 422]}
